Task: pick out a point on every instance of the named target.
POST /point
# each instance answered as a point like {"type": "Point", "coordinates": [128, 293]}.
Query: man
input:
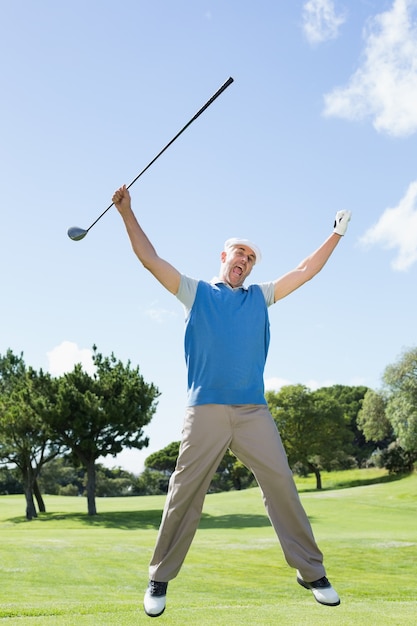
{"type": "Point", "coordinates": [226, 345]}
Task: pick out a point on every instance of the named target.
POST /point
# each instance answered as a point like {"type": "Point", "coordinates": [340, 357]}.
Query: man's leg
{"type": "Point", "coordinates": [205, 439]}
{"type": "Point", "coordinates": [256, 442]}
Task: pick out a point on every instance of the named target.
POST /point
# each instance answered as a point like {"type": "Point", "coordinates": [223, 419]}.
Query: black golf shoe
{"type": "Point", "coordinates": [322, 590]}
{"type": "Point", "coordinates": [155, 598]}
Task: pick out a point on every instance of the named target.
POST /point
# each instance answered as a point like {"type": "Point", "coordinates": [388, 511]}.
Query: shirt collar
{"type": "Point", "coordinates": [219, 281]}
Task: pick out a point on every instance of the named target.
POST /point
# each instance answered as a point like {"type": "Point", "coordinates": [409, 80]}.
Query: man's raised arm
{"type": "Point", "coordinates": [312, 265]}
{"type": "Point", "coordinates": [163, 271]}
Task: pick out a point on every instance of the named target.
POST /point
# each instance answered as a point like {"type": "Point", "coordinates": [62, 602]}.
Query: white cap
{"type": "Point", "coordinates": [238, 241]}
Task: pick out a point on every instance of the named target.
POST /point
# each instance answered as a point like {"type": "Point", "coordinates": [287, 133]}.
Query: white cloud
{"type": "Point", "coordinates": [62, 358]}
{"type": "Point", "coordinates": [275, 384]}
{"type": "Point", "coordinates": [384, 87]}
{"type": "Point", "coordinates": [313, 385]}
{"type": "Point", "coordinates": [320, 21]}
{"type": "Point", "coordinates": [159, 314]}
{"type": "Point", "coordinates": [397, 229]}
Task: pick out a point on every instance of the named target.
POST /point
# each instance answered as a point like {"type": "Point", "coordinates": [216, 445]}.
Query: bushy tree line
{"type": "Point", "coordinates": [62, 478]}
{"type": "Point", "coordinates": [337, 427]}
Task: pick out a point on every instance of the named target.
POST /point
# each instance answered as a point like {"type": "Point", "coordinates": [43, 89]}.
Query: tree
{"type": "Point", "coordinates": [164, 460]}
{"type": "Point", "coordinates": [311, 424]}
{"type": "Point", "coordinates": [400, 380]}
{"type": "Point", "coordinates": [24, 438]}
{"type": "Point", "coordinates": [397, 460]}
{"type": "Point", "coordinates": [9, 481]}
{"type": "Point", "coordinates": [350, 400]}
{"type": "Point", "coordinates": [372, 419]}
{"type": "Point", "coordinates": [96, 416]}
{"type": "Point", "coordinates": [115, 482]}
{"type": "Point", "coordinates": [231, 473]}
{"type": "Point", "coordinates": [159, 467]}
{"type": "Point", "coordinates": [150, 483]}
{"type": "Point", "coordinates": [60, 477]}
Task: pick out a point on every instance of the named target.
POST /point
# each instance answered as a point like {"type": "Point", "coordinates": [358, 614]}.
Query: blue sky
{"type": "Point", "coordinates": [321, 116]}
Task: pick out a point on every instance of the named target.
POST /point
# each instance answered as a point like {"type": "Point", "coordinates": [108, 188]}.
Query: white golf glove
{"type": "Point", "coordinates": [341, 222]}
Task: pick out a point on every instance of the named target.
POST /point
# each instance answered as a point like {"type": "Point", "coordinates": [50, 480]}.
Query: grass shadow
{"type": "Point", "coordinates": [235, 521]}
{"type": "Point", "coordinates": [124, 520]}
{"type": "Point", "coordinates": [356, 482]}
{"type": "Point", "coordinates": [135, 520]}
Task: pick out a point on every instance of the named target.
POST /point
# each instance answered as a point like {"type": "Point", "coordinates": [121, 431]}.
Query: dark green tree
{"type": "Point", "coordinates": [25, 440]}
{"type": "Point", "coordinates": [150, 483]}
{"type": "Point", "coordinates": [350, 400]}
{"type": "Point", "coordinates": [164, 460]}
{"type": "Point", "coordinates": [231, 473]}
{"type": "Point", "coordinates": [115, 482]}
{"type": "Point", "coordinates": [10, 481]}
{"type": "Point", "coordinates": [59, 475]}
{"type": "Point", "coordinates": [158, 469]}
{"type": "Point", "coordinates": [312, 426]}
{"type": "Point", "coordinates": [100, 415]}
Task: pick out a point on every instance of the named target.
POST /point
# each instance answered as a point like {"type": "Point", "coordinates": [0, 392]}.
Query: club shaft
{"type": "Point", "coordinates": [203, 108]}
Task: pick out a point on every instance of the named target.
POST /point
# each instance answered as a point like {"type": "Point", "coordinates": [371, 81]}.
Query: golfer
{"type": "Point", "coordinates": [226, 345]}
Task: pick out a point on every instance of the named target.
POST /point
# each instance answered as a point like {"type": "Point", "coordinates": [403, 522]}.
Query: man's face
{"type": "Point", "coordinates": [237, 264]}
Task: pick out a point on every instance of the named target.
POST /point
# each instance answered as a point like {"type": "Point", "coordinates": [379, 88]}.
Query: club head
{"type": "Point", "coordinates": [75, 233]}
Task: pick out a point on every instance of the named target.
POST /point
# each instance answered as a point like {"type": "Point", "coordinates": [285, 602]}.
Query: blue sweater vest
{"type": "Point", "coordinates": [226, 345]}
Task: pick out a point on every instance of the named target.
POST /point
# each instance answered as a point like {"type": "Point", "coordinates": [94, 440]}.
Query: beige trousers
{"type": "Point", "coordinates": [251, 434]}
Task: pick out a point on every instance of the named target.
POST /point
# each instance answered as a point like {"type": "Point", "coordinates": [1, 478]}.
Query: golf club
{"type": "Point", "coordinates": [76, 233]}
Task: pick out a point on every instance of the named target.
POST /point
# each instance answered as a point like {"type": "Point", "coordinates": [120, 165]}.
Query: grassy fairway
{"type": "Point", "coordinates": [67, 569]}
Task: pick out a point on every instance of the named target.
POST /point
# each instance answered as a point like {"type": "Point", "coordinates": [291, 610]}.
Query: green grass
{"type": "Point", "coordinates": [65, 568]}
